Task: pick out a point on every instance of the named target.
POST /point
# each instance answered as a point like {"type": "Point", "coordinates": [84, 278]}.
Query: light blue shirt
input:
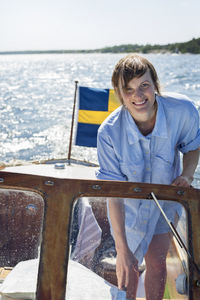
{"type": "Point", "coordinates": [125, 154]}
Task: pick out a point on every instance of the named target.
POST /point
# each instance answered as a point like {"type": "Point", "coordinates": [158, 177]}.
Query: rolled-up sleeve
{"type": "Point", "coordinates": [190, 134]}
{"type": "Point", "coordinates": [108, 162]}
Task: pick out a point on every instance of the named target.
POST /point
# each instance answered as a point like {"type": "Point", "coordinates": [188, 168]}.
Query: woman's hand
{"type": "Point", "coordinates": [183, 181]}
{"type": "Point", "coordinates": [190, 161]}
{"type": "Point", "coordinates": [127, 272]}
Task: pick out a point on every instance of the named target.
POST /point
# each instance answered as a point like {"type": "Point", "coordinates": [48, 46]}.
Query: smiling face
{"type": "Point", "coordinates": [139, 97]}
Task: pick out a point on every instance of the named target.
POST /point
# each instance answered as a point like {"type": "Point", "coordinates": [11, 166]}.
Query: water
{"type": "Point", "coordinates": [36, 98]}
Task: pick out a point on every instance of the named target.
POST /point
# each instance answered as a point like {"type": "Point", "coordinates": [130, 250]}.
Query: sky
{"type": "Point", "coordinates": [93, 24]}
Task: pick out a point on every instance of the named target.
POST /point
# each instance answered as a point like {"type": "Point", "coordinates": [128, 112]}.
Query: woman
{"type": "Point", "coordinates": [141, 141]}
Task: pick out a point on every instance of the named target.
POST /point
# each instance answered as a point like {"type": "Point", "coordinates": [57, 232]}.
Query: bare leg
{"type": "Point", "coordinates": [156, 271]}
{"type": "Point", "coordinates": [132, 287]}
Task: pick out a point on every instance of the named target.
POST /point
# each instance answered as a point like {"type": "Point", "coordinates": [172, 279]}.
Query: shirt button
{"type": "Point", "coordinates": [134, 172]}
{"type": "Point", "coordinates": [144, 222]}
{"type": "Point", "coordinates": [148, 169]}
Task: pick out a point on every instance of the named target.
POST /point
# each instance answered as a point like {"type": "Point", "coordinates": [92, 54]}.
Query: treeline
{"type": "Point", "coordinates": [192, 46]}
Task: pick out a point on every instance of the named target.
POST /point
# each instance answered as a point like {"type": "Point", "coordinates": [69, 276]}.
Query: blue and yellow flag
{"type": "Point", "coordinates": [94, 106]}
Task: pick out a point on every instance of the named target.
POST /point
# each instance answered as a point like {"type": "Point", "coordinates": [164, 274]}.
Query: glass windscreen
{"type": "Point", "coordinates": [21, 219]}
{"type": "Point", "coordinates": [112, 235]}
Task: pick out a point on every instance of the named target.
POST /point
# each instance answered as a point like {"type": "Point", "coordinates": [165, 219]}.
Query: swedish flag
{"type": "Point", "coordinates": [94, 106]}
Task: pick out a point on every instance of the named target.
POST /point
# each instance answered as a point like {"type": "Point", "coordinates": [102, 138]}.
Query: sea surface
{"type": "Point", "coordinates": [37, 92]}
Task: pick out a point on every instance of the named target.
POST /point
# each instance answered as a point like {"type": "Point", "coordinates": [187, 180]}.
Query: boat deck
{"type": "Point", "coordinates": [55, 169]}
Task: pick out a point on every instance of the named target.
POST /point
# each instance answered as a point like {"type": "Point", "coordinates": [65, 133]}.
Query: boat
{"type": "Point", "coordinates": [38, 217]}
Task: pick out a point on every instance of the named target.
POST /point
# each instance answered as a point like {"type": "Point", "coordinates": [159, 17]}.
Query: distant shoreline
{"type": "Point", "coordinates": [192, 47]}
{"type": "Point", "coordinates": [46, 52]}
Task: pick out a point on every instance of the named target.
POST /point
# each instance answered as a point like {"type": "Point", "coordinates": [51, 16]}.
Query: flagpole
{"type": "Point", "coordinates": [72, 122]}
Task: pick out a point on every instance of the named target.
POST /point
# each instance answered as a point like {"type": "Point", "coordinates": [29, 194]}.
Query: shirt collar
{"type": "Point", "coordinates": [160, 128]}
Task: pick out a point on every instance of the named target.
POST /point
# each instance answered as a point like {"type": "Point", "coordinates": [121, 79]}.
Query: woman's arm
{"type": "Point", "coordinates": [116, 212]}
{"type": "Point", "coordinates": [127, 264]}
{"type": "Point", "coordinates": [190, 162]}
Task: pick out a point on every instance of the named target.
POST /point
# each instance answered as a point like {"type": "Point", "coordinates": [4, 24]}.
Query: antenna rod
{"type": "Point", "coordinates": [175, 233]}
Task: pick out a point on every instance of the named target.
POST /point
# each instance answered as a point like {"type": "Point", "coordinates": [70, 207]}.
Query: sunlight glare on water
{"type": "Point", "coordinates": [37, 91]}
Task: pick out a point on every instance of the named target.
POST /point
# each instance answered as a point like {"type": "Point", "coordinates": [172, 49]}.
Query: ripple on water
{"type": "Point", "coordinates": [37, 92]}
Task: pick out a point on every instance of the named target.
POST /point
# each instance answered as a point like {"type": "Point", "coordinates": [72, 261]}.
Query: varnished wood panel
{"type": "Point", "coordinates": [59, 195]}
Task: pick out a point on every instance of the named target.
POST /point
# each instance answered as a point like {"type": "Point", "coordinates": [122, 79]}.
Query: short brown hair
{"type": "Point", "coordinates": [130, 66]}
